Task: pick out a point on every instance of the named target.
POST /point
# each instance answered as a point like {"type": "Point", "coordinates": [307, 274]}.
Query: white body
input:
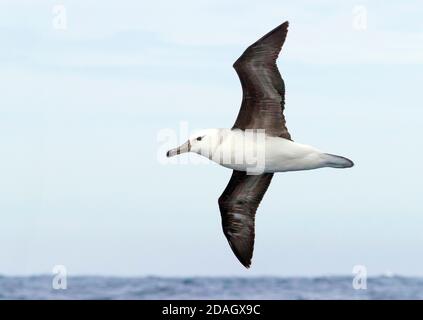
{"type": "Point", "coordinates": [256, 152]}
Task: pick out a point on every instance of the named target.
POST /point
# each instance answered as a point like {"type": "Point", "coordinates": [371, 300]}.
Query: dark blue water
{"type": "Point", "coordinates": [40, 287]}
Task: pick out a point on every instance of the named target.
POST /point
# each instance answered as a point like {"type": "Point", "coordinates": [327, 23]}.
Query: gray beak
{"type": "Point", "coordinates": [186, 147]}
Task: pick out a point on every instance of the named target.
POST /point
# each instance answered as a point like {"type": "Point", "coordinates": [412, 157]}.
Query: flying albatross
{"type": "Point", "coordinates": [263, 104]}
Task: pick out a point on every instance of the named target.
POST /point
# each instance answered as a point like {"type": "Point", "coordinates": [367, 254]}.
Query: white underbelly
{"type": "Point", "coordinates": [272, 154]}
{"type": "Point", "coordinates": [285, 155]}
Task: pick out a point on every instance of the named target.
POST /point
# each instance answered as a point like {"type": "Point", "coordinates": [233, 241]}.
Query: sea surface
{"type": "Point", "coordinates": [40, 287]}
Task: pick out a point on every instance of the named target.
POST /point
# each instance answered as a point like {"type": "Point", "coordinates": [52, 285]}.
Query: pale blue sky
{"type": "Point", "coordinates": [80, 110]}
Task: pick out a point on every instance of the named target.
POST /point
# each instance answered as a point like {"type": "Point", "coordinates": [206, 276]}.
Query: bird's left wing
{"type": "Point", "coordinates": [238, 205]}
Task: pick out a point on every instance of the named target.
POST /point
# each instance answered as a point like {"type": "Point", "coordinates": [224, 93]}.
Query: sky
{"type": "Point", "coordinates": [89, 87]}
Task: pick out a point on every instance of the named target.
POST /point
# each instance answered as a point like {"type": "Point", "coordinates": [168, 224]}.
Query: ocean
{"type": "Point", "coordinates": [40, 287]}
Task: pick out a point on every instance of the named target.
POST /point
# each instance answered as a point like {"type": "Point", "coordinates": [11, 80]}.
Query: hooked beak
{"type": "Point", "coordinates": [186, 147]}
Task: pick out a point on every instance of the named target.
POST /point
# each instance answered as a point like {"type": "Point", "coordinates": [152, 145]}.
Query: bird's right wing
{"type": "Point", "coordinates": [238, 205]}
{"type": "Point", "coordinates": [263, 89]}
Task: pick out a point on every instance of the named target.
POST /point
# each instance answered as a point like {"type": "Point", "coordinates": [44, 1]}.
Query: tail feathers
{"type": "Point", "coordinates": [335, 161]}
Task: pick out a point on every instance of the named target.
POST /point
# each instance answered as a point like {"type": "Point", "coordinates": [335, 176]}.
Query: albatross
{"type": "Point", "coordinates": [262, 114]}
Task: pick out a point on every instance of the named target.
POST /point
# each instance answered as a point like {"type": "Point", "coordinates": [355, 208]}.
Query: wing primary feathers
{"type": "Point", "coordinates": [238, 205]}
{"type": "Point", "coordinates": [263, 98]}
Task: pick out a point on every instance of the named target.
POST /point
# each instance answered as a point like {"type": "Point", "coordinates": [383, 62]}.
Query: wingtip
{"type": "Point", "coordinates": [245, 261]}
{"type": "Point", "coordinates": [246, 264]}
{"type": "Point", "coordinates": [243, 258]}
{"type": "Point", "coordinates": [282, 27]}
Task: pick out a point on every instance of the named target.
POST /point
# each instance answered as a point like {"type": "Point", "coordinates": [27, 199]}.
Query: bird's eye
{"type": "Point", "coordinates": [199, 138]}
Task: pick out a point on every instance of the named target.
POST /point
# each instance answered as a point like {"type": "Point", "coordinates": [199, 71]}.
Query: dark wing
{"type": "Point", "coordinates": [263, 99]}
{"type": "Point", "coordinates": [238, 205]}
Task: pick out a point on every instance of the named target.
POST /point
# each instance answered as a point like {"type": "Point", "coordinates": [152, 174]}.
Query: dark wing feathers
{"type": "Point", "coordinates": [262, 107]}
{"type": "Point", "coordinates": [238, 205]}
{"type": "Point", "coordinates": [263, 99]}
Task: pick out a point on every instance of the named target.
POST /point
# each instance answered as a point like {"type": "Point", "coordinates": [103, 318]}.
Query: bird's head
{"type": "Point", "coordinates": [202, 142]}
